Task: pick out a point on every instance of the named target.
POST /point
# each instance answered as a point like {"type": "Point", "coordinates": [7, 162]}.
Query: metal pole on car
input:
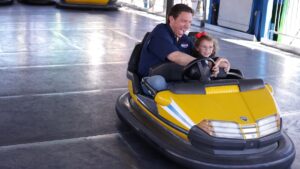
{"type": "Point", "coordinates": [202, 24]}
{"type": "Point", "coordinates": [170, 3]}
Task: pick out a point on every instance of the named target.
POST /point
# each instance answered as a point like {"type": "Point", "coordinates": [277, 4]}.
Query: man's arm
{"type": "Point", "coordinates": [180, 58]}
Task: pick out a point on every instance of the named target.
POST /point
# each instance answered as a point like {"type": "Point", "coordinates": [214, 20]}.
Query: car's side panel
{"type": "Point", "coordinates": [148, 113]}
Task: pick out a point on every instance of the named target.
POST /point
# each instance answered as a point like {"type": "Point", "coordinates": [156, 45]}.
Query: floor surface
{"type": "Point", "coordinates": [61, 72]}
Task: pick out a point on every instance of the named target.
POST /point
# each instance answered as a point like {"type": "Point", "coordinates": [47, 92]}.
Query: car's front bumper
{"type": "Point", "coordinates": [280, 157]}
{"type": "Point", "coordinates": [202, 140]}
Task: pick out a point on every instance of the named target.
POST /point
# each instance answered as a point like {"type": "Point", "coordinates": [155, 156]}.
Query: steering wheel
{"type": "Point", "coordinates": [199, 69]}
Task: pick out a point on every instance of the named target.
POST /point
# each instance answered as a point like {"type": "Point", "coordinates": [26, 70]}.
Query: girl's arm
{"type": "Point", "coordinates": [223, 63]}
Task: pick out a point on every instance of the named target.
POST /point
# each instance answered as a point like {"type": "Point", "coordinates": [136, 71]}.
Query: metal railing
{"type": "Point", "coordinates": [159, 7]}
{"type": "Point", "coordinates": [151, 6]}
{"type": "Point", "coordinates": [285, 27]}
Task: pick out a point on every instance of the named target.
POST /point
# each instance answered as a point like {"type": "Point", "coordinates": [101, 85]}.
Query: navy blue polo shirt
{"type": "Point", "coordinates": [159, 44]}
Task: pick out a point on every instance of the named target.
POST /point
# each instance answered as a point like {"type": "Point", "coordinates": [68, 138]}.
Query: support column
{"type": "Point", "coordinates": [170, 3]}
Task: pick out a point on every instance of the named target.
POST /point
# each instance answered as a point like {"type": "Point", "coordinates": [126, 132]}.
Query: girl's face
{"type": "Point", "coordinates": [205, 48]}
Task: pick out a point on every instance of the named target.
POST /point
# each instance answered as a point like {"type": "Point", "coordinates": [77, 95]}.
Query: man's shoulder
{"type": "Point", "coordinates": [161, 26]}
{"type": "Point", "coordinates": [161, 29]}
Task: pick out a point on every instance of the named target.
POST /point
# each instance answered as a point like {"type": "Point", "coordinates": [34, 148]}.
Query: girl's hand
{"type": "Point", "coordinates": [223, 63]}
{"type": "Point", "coordinates": [215, 71]}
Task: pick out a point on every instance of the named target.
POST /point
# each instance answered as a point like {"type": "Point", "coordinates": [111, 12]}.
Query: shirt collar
{"type": "Point", "coordinates": [171, 32]}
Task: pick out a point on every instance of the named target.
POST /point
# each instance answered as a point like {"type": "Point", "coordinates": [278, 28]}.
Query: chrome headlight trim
{"type": "Point", "coordinates": [233, 130]}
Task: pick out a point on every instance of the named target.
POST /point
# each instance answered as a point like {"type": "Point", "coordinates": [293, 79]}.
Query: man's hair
{"type": "Point", "coordinates": [177, 9]}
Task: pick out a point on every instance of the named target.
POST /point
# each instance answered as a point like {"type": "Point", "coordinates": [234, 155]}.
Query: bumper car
{"type": "Point", "coordinates": [102, 4]}
{"type": "Point", "coordinates": [199, 122]}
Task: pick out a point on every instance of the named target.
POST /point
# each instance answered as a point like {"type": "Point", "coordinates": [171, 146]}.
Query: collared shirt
{"type": "Point", "coordinates": [159, 44]}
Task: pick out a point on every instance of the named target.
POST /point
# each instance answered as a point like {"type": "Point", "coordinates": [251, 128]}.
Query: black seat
{"type": "Point", "coordinates": [251, 84]}
{"type": "Point", "coordinates": [132, 69]}
{"type": "Point", "coordinates": [191, 35]}
{"type": "Point", "coordinates": [170, 71]}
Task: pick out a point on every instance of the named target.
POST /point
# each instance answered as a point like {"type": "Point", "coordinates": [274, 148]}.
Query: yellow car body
{"type": "Point", "coordinates": [92, 2]}
{"type": "Point", "coordinates": [220, 103]}
{"type": "Point", "coordinates": [88, 3]}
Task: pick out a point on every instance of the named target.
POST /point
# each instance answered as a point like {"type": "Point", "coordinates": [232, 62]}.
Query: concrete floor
{"type": "Point", "coordinates": [62, 70]}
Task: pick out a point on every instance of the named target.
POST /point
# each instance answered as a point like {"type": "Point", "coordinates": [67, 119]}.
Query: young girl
{"type": "Point", "coordinates": [206, 47]}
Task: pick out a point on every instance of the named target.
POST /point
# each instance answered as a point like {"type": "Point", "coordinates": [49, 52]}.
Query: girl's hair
{"type": "Point", "coordinates": [204, 36]}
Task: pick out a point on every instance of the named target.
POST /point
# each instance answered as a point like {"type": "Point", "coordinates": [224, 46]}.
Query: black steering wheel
{"type": "Point", "coordinates": [199, 69]}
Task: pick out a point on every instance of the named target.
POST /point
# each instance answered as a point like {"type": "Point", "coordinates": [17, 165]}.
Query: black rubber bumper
{"type": "Point", "coordinates": [39, 2]}
{"type": "Point", "coordinates": [6, 2]}
{"type": "Point", "coordinates": [183, 152]}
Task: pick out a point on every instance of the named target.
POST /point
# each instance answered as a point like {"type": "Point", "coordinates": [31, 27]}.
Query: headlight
{"type": "Point", "coordinates": [221, 129]}
{"type": "Point", "coordinates": [268, 125]}
{"type": "Point", "coordinates": [233, 130]}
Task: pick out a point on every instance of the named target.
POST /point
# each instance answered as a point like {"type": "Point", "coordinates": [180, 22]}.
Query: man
{"type": "Point", "coordinates": [167, 43]}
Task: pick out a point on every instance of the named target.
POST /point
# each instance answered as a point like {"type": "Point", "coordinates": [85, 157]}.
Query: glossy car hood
{"type": "Point", "coordinates": [220, 103]}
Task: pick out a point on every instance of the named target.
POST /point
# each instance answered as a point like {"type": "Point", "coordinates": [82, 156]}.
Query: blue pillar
{"type": "Point", "coordinates": [261, 18]}
{"type": "Point", "coordinates": [266, 11]}
{"type": "Point", "coordinates": [213, 12]}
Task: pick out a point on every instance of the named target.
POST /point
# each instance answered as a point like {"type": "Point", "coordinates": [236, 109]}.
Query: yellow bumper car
{"type": "Point", "coordinates": [230, 122]}
{"type": "Point", "coordinates": [105, 4]}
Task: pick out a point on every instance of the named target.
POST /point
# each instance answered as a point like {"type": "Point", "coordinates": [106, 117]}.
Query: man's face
{"type": "Point", "coordinates": [181, 24]}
